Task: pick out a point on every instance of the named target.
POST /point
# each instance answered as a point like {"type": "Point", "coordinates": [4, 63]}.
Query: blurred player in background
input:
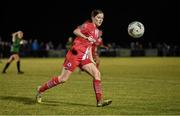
{"type": "Point", "coordinates": [79, 56]}
{"type": "Point", "coordinates": [69, 43]}
{"type": "Point", "coordinates": [17, 39]}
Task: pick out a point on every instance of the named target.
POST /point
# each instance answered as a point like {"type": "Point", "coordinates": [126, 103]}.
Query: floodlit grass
{"type": "Point", "coordinates": [138, 86]}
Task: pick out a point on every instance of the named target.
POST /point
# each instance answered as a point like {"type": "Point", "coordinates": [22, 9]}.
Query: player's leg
{"type": "Point", "coordinates": [94, 72]}
{"type": "Point", "coordinates": [52, 83]}
{"type": "Point", "coordinates": [11, 58]}
{"type": "Point", "coordinates": [17, 57]}
{"type": "Point", "coordinates": [69, 66]}
{"type": "Point", "coordinates": [56, 80]}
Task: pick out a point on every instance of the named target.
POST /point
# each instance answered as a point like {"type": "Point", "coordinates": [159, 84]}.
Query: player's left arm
{"type": "Point", "coordinates": [102, 44]}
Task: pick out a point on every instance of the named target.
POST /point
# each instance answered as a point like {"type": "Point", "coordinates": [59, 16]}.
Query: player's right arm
{"type": "Point", "coordinates": [78, 33]}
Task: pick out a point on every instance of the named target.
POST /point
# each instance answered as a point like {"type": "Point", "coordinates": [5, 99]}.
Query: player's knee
{"type": "Point", "coordinates": [17, 58]}
{"type": "Point", "coordinates": [62, 80]}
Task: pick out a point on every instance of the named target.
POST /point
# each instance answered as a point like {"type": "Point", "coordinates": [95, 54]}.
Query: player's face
{"type": "Point", "coordinates": [98, 19]}
{"type": "Point", "coordinates": [20, 34]}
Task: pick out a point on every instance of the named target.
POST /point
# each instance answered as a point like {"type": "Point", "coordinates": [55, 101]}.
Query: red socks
{"type": "Point", "coordinates": [97, 89]}
{"type": "Point", "coordinates": [53, 82]}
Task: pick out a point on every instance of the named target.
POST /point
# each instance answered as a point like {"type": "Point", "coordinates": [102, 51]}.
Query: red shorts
{"type": "Point", "coordinates": [75, 60]}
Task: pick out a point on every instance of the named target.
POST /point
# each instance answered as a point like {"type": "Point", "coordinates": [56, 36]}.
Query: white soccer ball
{"type": "Point", "coordinates": [136, 29]}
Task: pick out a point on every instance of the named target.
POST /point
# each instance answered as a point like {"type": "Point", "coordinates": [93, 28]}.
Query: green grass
{"type": "Point", "coordinates": [140, 86]}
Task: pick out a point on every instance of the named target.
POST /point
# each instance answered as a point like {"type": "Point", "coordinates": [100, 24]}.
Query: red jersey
{"type": "Point", "coordinates": [88, 29]}
{"type": "Point", "coordinates": [95, 45]}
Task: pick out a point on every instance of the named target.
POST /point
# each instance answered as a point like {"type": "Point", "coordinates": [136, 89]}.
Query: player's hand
{"type": "Point", "coordinates": [23, 42]}
{"type": "Point", "coordinates": [13, 34]}
{"type": "Point", "coordinates": [91, 39]}
{"type": "Point", "coordinates": [107, 48]}
{"type": "Point", "coordinates": [93, 62]}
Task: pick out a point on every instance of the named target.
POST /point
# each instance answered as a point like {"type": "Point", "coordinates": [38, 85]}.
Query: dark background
{"type": "Point", "coordinates": [55, 20]}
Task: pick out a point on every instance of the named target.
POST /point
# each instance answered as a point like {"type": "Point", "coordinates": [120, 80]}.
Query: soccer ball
{"type": "Point", "coordinates": [136, 29]}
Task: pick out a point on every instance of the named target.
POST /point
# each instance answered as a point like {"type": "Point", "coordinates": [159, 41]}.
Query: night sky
{"type": "Point", "coordinates": [55, 20]}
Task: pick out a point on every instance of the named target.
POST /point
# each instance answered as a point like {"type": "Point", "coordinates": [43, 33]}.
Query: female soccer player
{"type": "Point", "coordinates": [17, 39]}
{"type": "Point", "coordinates": [79, 56]}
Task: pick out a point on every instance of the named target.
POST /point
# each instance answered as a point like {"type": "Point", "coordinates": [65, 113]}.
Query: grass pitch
{"type": "Point", "coordinates": [147, 86]}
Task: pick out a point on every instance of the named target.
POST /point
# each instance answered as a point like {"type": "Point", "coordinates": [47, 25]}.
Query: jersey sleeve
{"type": "Point", "coordinates": [100, 33]}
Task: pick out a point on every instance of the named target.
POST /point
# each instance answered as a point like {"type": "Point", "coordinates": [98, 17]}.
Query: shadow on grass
{"type": "Point", "coordinates": [38, 74]}
{"type": "Point", "coordinates": [30, 101]}
{"type": "Point", "coordinates": [24, 100]}
{"type": "Point", "coordinates": [56, 103]}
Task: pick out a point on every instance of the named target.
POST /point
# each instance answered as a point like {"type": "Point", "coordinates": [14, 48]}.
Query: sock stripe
{"type": "Point", "coordinates": [53, 82]}
{"type": "Point", "coordinates": [97, 89]}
